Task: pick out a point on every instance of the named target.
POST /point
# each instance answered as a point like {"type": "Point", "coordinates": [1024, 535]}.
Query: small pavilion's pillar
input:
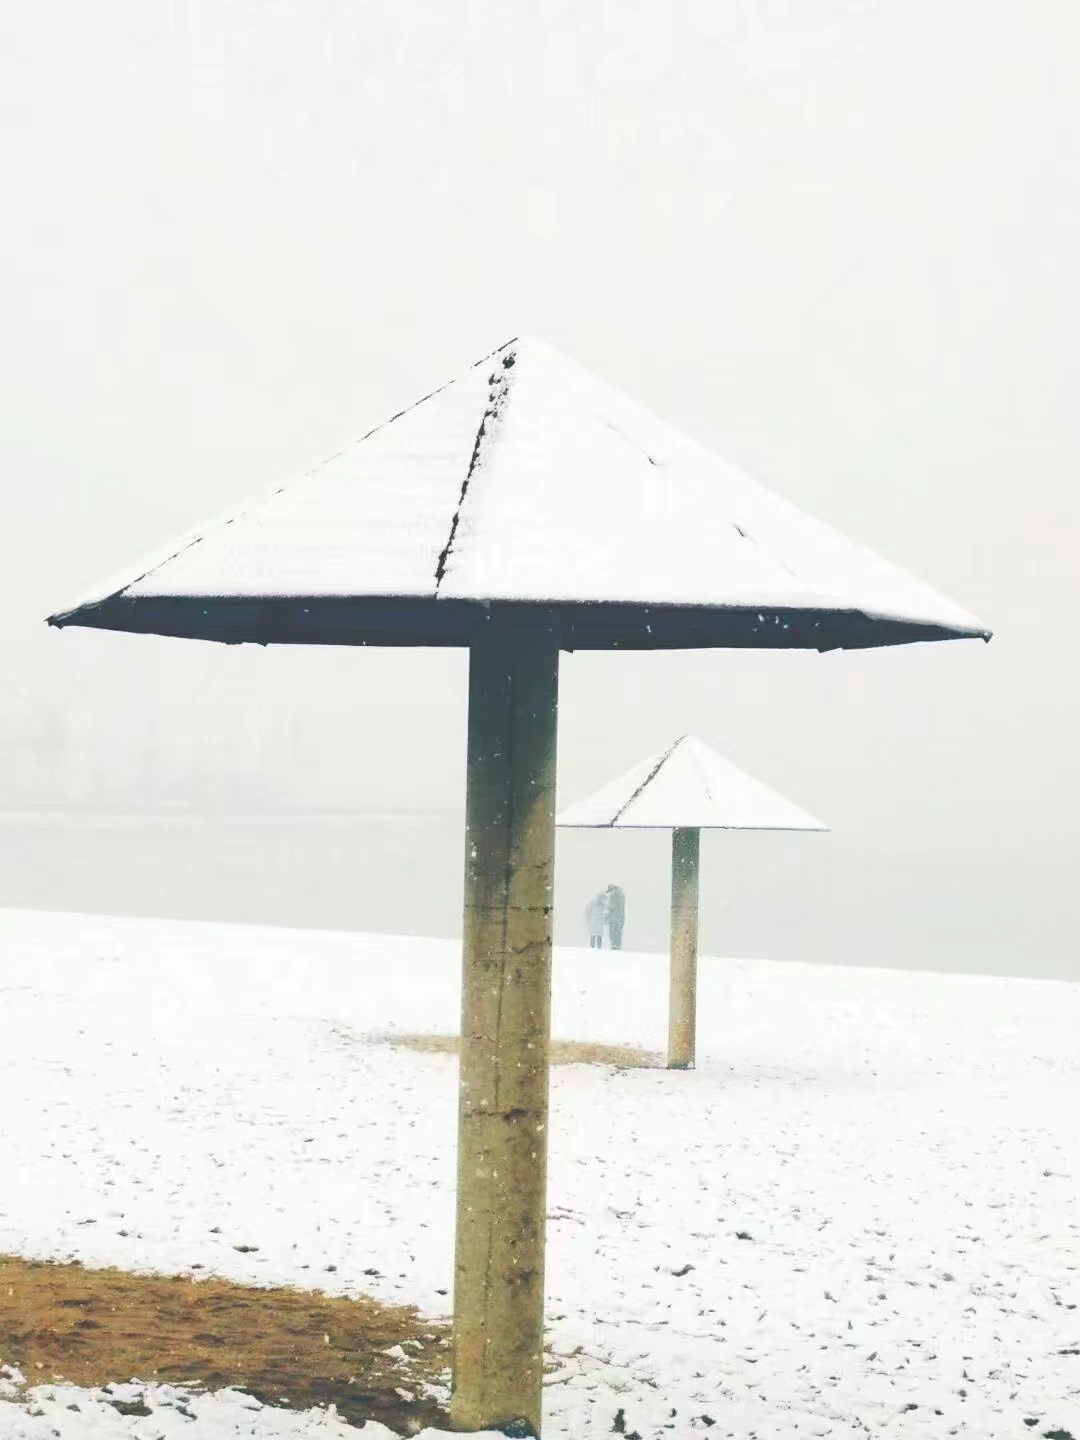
{"type": "Point", "coordinates": [506, 1021]}
{"type": "Point", "coordinates": [682, 1012]}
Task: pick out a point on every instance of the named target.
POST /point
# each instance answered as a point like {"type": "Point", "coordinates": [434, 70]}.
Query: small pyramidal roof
{"type": "Point", "coordinates": [687, 786]}
{"type": "Point", "coordinates": [525, 480]}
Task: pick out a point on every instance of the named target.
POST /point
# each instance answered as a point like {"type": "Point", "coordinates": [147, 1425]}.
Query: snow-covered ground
{"type": "Point", "coordinates": [857, 1216]}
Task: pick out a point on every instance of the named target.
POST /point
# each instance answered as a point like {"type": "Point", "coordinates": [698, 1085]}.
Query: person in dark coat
{"type": "Point", "coordinates": [596, 918]}
{"type": "Point", "coordinates": [616, 915]}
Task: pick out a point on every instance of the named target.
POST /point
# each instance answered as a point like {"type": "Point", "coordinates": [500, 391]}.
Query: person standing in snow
{"type": "Point", "coordinates": [616, 915]}
{"type": "Point", "coordinates": [596, 918]}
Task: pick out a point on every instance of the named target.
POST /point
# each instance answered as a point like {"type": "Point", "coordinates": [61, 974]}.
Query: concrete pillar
{"type": "Point", "coordinates": [505, 1021]}
{"type": "Point", "coordinates": [682, 1012]}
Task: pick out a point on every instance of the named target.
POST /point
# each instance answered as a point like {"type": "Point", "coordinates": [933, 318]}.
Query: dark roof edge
{"type": "Point", "coordinates": [426, 620]}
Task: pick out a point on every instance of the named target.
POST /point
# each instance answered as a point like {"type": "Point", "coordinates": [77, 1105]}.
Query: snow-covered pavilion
{"type": "Point", "coordinates": [685, 788]}
{"type": "Point", "coordinates": [523, 509]}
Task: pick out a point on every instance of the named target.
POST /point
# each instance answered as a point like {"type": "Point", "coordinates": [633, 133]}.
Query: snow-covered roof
{"type": "Point", "coordinates": [526, 480]}
{"type": "Point", "coordinates": [688, 786]}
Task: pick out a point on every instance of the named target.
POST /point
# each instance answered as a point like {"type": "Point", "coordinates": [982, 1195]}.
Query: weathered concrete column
{"type": "Point", "coordinates": [682, 1012]}
{"type": "Point", "coordinates": [505, 1021]}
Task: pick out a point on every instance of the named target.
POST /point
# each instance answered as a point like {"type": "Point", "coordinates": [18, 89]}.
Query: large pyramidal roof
{"type": "Point", "coordinates": [526, 480]}
{"type": "Point", "coordinates": [689, 786]}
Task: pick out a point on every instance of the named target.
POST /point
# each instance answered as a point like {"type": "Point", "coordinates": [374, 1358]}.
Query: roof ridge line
{"type": "Point", "coordinates": [664, 758]}
{"type": "Point", "coordinates": [484, 360]}
{"type": "Point", "coordinates": [498, 395]}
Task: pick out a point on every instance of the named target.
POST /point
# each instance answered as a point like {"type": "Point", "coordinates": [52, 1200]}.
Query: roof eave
{"type": "Point", "coordinates": [429, 620]}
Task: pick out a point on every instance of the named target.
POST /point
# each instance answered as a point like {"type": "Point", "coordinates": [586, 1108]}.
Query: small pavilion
{"type": "Point", "coordinates": [686, 788]}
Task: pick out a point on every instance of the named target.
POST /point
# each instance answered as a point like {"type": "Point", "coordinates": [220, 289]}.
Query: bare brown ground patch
{"type": "Point", "coordinates": [563, 1052]}
{"type": "Point", "coordinates": [285, 1347]}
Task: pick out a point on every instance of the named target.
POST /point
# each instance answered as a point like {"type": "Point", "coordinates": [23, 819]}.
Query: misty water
{"type": "Point", "coordinates": [776, 896]}
{"type": "Point", "coordinates": [379, 873]}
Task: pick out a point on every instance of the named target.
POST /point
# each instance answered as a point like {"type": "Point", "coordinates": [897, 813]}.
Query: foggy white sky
{"type": "Point", "coordinates": [835, 240]}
